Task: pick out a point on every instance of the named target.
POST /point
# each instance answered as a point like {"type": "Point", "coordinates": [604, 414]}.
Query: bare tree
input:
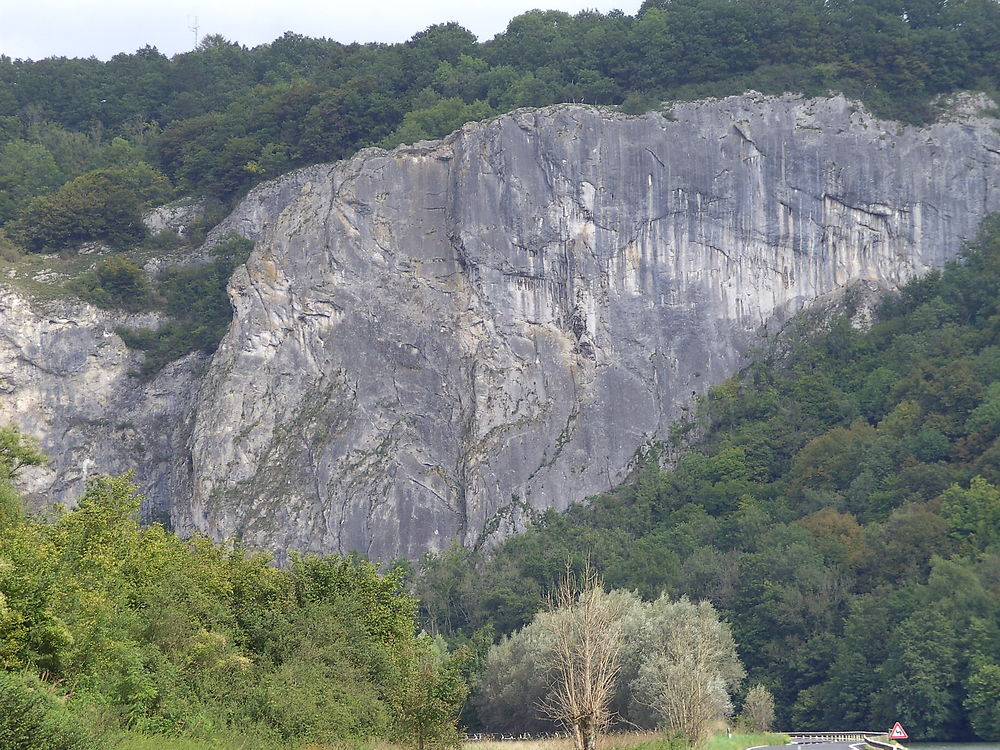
{"type": "Point", "coordinates": [586, 628]}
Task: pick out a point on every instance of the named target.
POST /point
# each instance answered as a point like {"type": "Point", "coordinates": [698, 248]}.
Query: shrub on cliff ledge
{"type": "Point", "coordinates": [116, 282]}
{"type": "Point", "coordinates": [196, 299]}
{"type": "Point", "coordinates": [98, 206]}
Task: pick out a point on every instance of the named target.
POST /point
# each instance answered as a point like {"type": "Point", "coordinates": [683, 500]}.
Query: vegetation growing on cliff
{"type": "Point", "coordinates": [840, 508]}
{"type": "Point", "coordinates": [197, 302]}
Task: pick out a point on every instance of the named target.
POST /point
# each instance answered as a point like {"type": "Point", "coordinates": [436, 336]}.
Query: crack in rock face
{"type": "Point", "coordinates": [436, 342]}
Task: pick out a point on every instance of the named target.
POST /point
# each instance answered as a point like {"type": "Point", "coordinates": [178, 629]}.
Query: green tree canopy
{"type": "Point", "coordinates": [98, 206]}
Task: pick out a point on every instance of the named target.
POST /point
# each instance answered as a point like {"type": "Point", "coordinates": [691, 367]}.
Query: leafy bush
{"type": "Point", "coordinates": [162, 635]}
{"type": "Point", "coordinates": [32, 717]}
{"type": "Point", "coordinates": [100, 206]}
{"type": "Point", "coordinates": [115, 283]}
{"type": "Point", "coordinates": [197, 300]}
{"type": "Point", "coordinates": [8, 250]}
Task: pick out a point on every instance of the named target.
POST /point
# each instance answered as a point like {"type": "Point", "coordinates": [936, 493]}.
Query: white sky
{"type": "Point", "coordinates": [33, 29]}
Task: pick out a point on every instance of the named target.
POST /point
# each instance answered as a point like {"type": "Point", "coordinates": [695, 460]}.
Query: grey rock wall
{"type": "Point", "coordinates": [431, 343]}
{"type": "Point", "coordinates": [65, 379]}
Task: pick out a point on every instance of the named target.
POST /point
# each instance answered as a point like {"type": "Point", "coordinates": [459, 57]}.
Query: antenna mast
{"type": "Point", "coordinates": [194, 27]}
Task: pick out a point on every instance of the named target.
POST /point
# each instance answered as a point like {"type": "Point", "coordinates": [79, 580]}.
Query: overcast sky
{"type": "Point", "coordinates": [33, 29]}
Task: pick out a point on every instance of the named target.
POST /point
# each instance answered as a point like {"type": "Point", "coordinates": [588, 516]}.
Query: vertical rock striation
{"type": "Point", "coordinates": [432, 343]}
{"type": "Point", "coordinates": [67, 379]}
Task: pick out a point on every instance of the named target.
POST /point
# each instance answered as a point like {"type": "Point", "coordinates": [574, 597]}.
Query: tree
{"type": "Point", "coordinates": [983, 701]}
{"type": "Point", "coordinates": [430, 695]}
{"type": "Point", "coordinates": [444, 589]}
{"type": "Point", "coordinates": [758, 708]}
{"type": "Point", "coordinates": [16, 452]}
{"type": "Point", "coordinates": [973, 515]}
{"type": "Point", "coordinates": [918, 675]}
{"type": "Point", "coordinates": [26, 170]}
{"type": "Point", "coordinates": [444, 41]}
{"type": "Point", "coordinates": [437, 120]}
{"type": "Point", "coordinates": [515, 680]}
{"type": "Point", "coordinates": [585, 624]}
{"type": "Point", "coordinates": [100, 206]}
{"type": "Point", "coordinates": [523, 668]}
{"type": "Point", "coordinates": [691, 668]}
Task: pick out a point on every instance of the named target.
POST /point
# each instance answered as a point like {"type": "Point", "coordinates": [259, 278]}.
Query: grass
{"type": "Point", "coordinates": [135, 741]}
{"type": "Point", "coordinates": [132, 741]}
{"type": "Point", "coordinates": [635, 741]}
{"type": "Point", "coordinates": [629, 741]}
{"type": "Point", "coordinates": [43, 276]}
{"type": "Point", "coordinates": [605, 742]}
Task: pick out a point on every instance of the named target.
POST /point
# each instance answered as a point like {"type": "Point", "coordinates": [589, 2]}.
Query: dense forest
{"type": "Point", "coordinates": [107, 626]}
{"type": "Point", "coordinates": [837, 501]}
{"type": "Point", "coordinates": [85, 144]}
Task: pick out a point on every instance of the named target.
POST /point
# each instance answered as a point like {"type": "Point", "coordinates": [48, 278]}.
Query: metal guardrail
{"type": "Point", "coordinates": [878, 740]}
{"type": "Point", "coordinates": [886, 744]}
{"type": "Point", "coordinates": [807, 737]}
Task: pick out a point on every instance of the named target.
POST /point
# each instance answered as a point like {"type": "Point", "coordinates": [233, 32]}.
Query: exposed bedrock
{"type": "Point", "coordinates": [431, 342]}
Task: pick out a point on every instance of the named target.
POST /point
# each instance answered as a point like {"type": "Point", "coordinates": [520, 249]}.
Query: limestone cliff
{"type": "Point", "coordinates": [431, 342]}
{"type": "Point", "coordinates": [67, 379]}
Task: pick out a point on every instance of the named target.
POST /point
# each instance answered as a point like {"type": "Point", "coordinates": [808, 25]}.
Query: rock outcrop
{"type": "Point", "coordinates": [69, 380]}
{"type": "Point", "coordinates": [434, 342]}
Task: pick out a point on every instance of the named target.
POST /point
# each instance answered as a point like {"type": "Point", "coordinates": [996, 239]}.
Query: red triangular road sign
{"type": "Point", "coordinates": [897, 732]}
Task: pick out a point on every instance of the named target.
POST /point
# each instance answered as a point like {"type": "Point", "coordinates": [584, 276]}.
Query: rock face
{"type": "Point", "coordinates": [434, 342]}
{"type": "Point", "coordinates": [65, 378]}
{"type": "Point", "coordinates": [178, 218]}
